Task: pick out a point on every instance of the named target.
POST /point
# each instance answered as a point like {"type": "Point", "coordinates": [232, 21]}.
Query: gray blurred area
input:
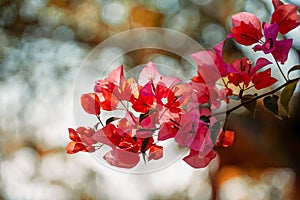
{"type": "Point", "coordinates": [42, 45]}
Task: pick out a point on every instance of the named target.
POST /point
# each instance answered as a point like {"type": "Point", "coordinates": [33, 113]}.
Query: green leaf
{"type": "Point", "coordinates": [143, 148]}
{"type": "Point", "coordinates": [251, 105]}
{"type": "Point", "coordinates": [143, 116]}
{"type": "Point", "coordinates": [144, 145]}
{"type": "Point", "coordinates": [111, 119]}
{"type": "Point", "coordinates": [270, 102]}
{"type": "Point", "coordinates": [286, 96]}
{"type": "Point", "coordinates": [205, 119]}
{"type": "Point", "coordinates": [296, 67]}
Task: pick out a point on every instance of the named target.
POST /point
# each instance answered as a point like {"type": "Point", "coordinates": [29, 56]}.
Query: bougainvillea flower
{"type": "Point", "coordinates": [242, 70]}
{"type": "Point", "coordinates": [211, 65]}
{"type": "Point", "coordinates": [246, 28]}
{"type": "Point", "coordinates": [110, 135]}
{"type": "Point", "coordinates": [183, 93]}
{"type": "Point", "coordinates": [225, 139]}
{"type": "Point", "coordinates": [146, 98]}
{"type": "Point", "coordinates": [108, 89]}
{"type": "Point", "coordinates": [114, 79]}
{"type": "Point", "coordinates": [128, 123]}
{"type": "Point", "coordinates": [90, 103]}
{"type": "Point", "coordinates": [205, 94]}
{"type": "Point", "coordinates": [285, 16]}
{"type": "Point", "coordinates": [129, 90]}
{"type": "Point", "coordinates": [263, 79]}
{"type": "Point", "coordinates": [199, 160]}
{"type": "Point", "coordinates": [192, 131]}
{"type": "Point", "coordinates": [189, 124]}
{"type": "Point", "coordinates": [168, 129]}
{"type": "Point", "coordinates": [81, 140]}
{"type": "Point", "coordinates": [151, 74]}
{"type": "Point", "coordinates": [279, 49]}
{"type": "Point", "coordinates": [121, 158]}
{"type": "Point", "coordinates": [166, 97]}
{"type": "Point", "coordinates": [115, 88]}
{"type": "Point", "coordinates": [201, 135]}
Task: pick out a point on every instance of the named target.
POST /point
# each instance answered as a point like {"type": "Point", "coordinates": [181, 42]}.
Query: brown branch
{"type": "Point", "coordinates": [257, 97]}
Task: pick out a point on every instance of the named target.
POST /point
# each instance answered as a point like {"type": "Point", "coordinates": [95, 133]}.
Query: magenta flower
{"type": "Point", "coordinates": [278, 48]}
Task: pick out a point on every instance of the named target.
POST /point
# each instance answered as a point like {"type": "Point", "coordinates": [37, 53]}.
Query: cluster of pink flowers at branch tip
{"type": "Point", "coordinates": [159, 108]}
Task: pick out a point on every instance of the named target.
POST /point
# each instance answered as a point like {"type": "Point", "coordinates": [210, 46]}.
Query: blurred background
{"type": "Point", "coordinates": [42, 45]}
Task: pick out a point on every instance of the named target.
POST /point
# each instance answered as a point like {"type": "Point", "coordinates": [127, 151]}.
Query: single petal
{"type": "Point", "coordinates": [170, 81]}
{"type": "Point", "coordinates": [247, 18]}
{"type": "Point", "coordinates": [199, 139]}
{"type": "Point", "coordinates": [276, 3]}
{"type": "Point", "coordinates": [235, 78]}
{"type": "Point", "coordinates": [207, 67]}
{"type": "Point", "coordinates": [263, 79]}
{"type": "Point", "coordinates": [74, 147]}
{"type": "Point", "coordinates": [108, 100]}
{"type": "Point", "coordinates": [155, 152]}
{"type": "Point", "coordinates": [198, 160]}
{"type": "Point", "coordinates": [73, 135]}
{"type": "Point", "coordinates": [120, 158]}
{"type": "Point", "coordinates": [260, 63]}
{"type": "Point", "coordinates": [246, 34]}
{"type": "Point", "coordinates": [146, 98]}
{"type": "Point", "coordinates": [149, 74]}
{"type": "Point", "coordinates": [116, 76]}
{"type": "Point", "coordinates": [109, 135]}
{"type": "Point", "coordinates": [282, 50]}
{"type": "Point", "coordinates": [286, 17]}
{"type": "Point", "coordinates": [167, 130]}
{"type": "Point", "coordinates": [114, 80]}
{"type": "Point", "coordinates": [90, 103]}
{"type": "Point", "coordinates": [129, 90]}
{"type": "Point", "coordinates": [225, 139]}
{"type": "Point", "coordinates": [183, 93]}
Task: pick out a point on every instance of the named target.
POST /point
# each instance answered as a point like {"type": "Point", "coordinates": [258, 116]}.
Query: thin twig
{"type": "Point", "coordinates": [281, 70]}
{"type": "Point", "coordinates": [256, 98]}
{"type": "Point", "coordinates": [100, 120]}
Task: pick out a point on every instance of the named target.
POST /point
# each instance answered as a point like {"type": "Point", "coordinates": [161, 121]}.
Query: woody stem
{"type": "Point", "coordinates": [257, 97]}
{"type": "Point", "coordinates": [100, 120]}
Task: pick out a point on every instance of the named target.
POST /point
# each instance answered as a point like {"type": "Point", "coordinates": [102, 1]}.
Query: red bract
{"type": "Point", "coordinates": [263, 79]}
{"type": "Point", "coordinates": [242, 71]}
{"type": "Point", "coordinates": [225, 139]}
{"type": "Point", "coordinates": [205, 94]}
{"type": "Point", "coordinates": [81, 140]}
{"type": "Point", "coordinates": [246, 28]}
{"type": "Point", "coordinates": [169, 129]}
{"type": "Point", "coordinates": [90, 103]}
{"type": "Point", "coordinates": [115, 88]}
{"type": "Point", "coordinates": [211, 65]}
{"type": "Point", "coordinates": [151, 74]}
{"type": "Point", "coordinates": [285, 15]}
{"type": "Point", "coordinates": [166, 97]}
{"type": "Point", "coordinates": [199, 160]}
{"type": "Point", "coordinates": [156, 152]}
{"type": "Point", "coordinates": [145, 99]}
{"type": "Point", "coordinates": [192, 132]}
{"type": "Point", "coordinates": [120, 158]}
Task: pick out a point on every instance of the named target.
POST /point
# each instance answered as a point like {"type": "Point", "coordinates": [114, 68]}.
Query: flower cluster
{"type": "Point", "coordinates": [159, 108]}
